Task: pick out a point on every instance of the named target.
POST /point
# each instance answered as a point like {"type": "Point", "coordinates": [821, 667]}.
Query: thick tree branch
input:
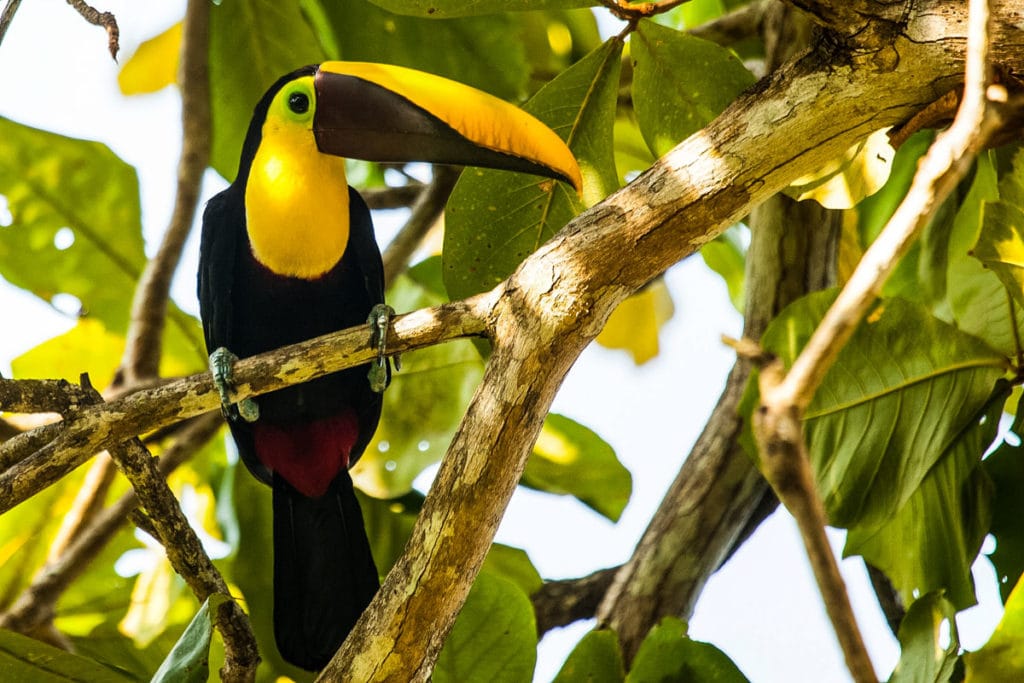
{"type": "Point", "coordinates": [573, 282]}
{"type": "Point", "coordinates": [149, 308]}
{"type": "Point", "coordinates": [86, 431]}
{"type": "Point", "coordinates": [784, 396]}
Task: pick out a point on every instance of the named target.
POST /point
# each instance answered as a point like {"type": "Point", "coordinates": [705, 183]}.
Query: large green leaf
{"type": "Point", "coordinates": [570, 459]}
{"type": "Point", "coordinates": [496, 219]}
{"type": "Point", "coordinates": [898, 396]}
{"type": "Point", "coordinates": [494, 639]}
{"type": "Point", "coordinates": [425, 401]}
{"type": "Point", "coordinates": [931, 542]}
{"type": "Point", "coordinates": [26, 659]}
{"type": "Point", "coordinates": [513, 564]}
{"type": "Point", "coordinates": [443, 9]}
{"type": "Point", "coordinates": [924, 659]}
{"type": "Point", "coordinates": [1005, 467]}
{"type": "Point", "coordinates": [76, 221]}
{"type": "Point", "coordinates": [252, 44]}
{"type": "Point", "coordinates": [680, 83]}
{"type": "Point", "coordinates": [75, 230]}
{"type": "Point", "coordinates": [668, 654]}
{"type": "Point", "coordinates": [189, 659]}
{"type": "Point", "coordinates": [1002, 658]}
{"type": "Point", "coordinates": [595, 659]}
{"type": "Point", "coordinates": [480, 51]}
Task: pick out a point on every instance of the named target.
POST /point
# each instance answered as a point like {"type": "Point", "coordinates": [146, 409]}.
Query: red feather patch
{"type": "Point", "coordinates": [308, 455]}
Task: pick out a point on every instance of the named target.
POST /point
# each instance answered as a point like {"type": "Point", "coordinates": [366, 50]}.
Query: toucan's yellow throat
{"type": "Point", "coordinates": [296, 198]}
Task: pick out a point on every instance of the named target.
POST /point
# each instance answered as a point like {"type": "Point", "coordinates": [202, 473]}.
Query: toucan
{"type": "Point", "coordinates": [288, 253]}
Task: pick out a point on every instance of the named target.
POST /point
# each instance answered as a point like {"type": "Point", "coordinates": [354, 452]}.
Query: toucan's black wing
{"type": "Point", "coordinates": [222, 237]}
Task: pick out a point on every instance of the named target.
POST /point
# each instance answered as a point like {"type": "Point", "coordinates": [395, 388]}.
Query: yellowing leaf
{"type": "Point", "coordinates": [841, 183]}
{"type": "Point", "coordinates": [1002, 658]}
{"type": "Point", "coordinates": [86, 347]}
{"type": "Point", "coordinates": [1000, 245]}
{"type": "Point", "coordinates": [154, 66]}
{"type": "Point", "coordinates": [634, 325]}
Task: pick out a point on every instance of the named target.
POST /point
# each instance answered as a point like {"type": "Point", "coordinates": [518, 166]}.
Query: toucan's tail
{"type": "Point", "coordinates": [324, 575]}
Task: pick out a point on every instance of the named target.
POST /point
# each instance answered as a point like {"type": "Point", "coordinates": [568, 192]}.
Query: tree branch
{"type": "Point", "coordinates": [86, 431]}
{"type": "Point", "coordinates": [8, 16]}
{"type": "Point", "coordinates": [784, 396]}
{"type": "Point", "coordinates": [105, 19]}
{"type": "Point", "coordinates": [35, 606]}
{"type": "Point", "coordinates": [149, 308]}
{"type": "Point", "coordinates": [426, 211]}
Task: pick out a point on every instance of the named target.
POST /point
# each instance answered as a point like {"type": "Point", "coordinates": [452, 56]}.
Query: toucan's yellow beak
{"type": "Point", "coordinates": [378, 112]}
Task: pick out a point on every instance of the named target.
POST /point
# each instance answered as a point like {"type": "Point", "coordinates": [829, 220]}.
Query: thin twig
{"type": "Point", "coordinates": [426, 211]}
{"type": "Point", "coordinates": [7, 17]}
{"type": "Point", "coordinates": [149, 308]}
{"type": "Point", "coordinates": [784, 396]}
{"type": "Point", "coordinates": [104, 19]}
{"type": "Point", "coordinates": [400, 197]}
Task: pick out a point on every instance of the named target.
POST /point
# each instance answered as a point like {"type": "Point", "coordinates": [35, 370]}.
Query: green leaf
{"type": "Point", "coordinates": [977, 298]}
{"type": "Point", "coordinates": [424, 403]}
{"type": "Point", "coordinates": [680, 83]}
{"type": "Point", "coordinates": [931, 542]}
{"type": "Point", "coordinates": [86, 347]}
{"type": "Point", "coordinates": [252, 44]}
{"type": "Point", "coordinates": [76, 221]}
{"type": "Point", "coordinates": [570, 459]}
{"type": "Point", "coordinates": [923, 658]}
{"type": "Point", "coordinates": [1005, 467]}
{"type": "Point", "coordinates": [493, 640]}
{"type": "Point", "coordinates": [897, 397]}
{"type": "Point", "coordinates": [595, 659]}
{"type": "Point", "coordinates": [445, 9]}
{"type": "Point", "coordinates": [76, 230]}
{"type": "Point", "coordinates": [26, 659]}
{"type": "Point", "coordinates": [389, 525]}
{"type": "Point", "coordinates": [1002, 658]}
{"type": "Point", "coordinates": [727, 257]}
{"type": "Point", "coordinates": [515, 565]}
{"type": "Point", "coordinates": [496, 219]}
{"type": "Point", "coordinates": [484, 52]}
{"type": "Point", "coordinates": [667, 654]}
{"type": "Point", "coordinates": [189, 659]}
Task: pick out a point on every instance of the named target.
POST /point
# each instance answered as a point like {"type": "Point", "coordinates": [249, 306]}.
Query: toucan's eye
{"type": "Point", "coordinates": [298, 102]}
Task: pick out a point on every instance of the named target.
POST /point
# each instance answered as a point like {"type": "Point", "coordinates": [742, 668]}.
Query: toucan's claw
{"type": "Point", "coordinates": [222, 367]}
{"type": "Point", "coordinates": [380, 371]}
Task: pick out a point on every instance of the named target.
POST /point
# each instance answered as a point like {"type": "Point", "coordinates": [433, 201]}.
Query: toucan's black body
{"type": "Point", "coordinates": [279, 265]}
{"type": "Point", "coordinates": [324, 574]}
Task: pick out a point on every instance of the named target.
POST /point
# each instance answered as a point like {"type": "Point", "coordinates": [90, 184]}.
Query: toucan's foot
{"type": "Point", "coordinates": [380, 369]}
{"type": "Point", "coordinates": [222, 367]}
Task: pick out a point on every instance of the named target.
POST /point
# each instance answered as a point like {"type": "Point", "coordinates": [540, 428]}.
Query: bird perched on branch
{"type": "Point", "coordinates": [288, 253]}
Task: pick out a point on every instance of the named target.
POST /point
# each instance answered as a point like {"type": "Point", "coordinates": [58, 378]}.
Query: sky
{"type": "Point", "coordinates": [762, 608]}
